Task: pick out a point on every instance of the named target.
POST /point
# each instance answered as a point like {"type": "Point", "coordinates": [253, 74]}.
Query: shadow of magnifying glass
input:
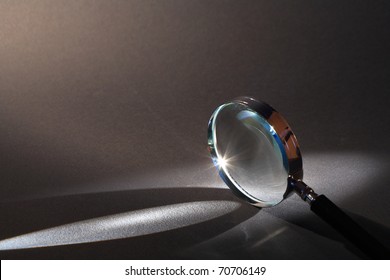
{"type": "Point", "coordinates": [136, 224]}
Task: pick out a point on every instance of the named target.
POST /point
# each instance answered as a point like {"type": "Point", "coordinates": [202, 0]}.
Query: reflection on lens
{"type": "Point", "coordinates": [248, 153]}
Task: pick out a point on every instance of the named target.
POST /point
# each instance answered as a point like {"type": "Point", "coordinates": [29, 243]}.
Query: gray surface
{"type": "Point", "coordinates": [104, 109]}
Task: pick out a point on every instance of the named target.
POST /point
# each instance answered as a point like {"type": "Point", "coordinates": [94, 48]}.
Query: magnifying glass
{"type": "Point", "coordinates": [258, 157]}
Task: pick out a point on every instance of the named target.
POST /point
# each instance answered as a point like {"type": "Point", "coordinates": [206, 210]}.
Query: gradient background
{"type": "Point", "coordinates": [103, 115]}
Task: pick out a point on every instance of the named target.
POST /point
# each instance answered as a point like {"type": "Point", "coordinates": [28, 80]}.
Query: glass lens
{"type": "Point", "coordinates": [249, 153]}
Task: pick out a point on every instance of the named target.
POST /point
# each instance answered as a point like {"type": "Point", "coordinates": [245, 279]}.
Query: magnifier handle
{"type": "Point", "coordinates": [330, 213]}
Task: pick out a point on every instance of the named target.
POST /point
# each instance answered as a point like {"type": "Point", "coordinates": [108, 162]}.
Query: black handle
{"type": "Point", "coordinates": [334, 216]}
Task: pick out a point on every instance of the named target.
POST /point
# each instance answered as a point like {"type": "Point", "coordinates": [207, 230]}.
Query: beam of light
{"type": "Point", "coordinates": [269, 237]}
{"type": "Point", "coordinates": [123, 225]}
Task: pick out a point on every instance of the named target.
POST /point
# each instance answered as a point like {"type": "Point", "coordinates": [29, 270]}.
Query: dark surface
{"type": "Point", "coordinates": [105, 102]}
{"type": "Point", "coordinates": [345, 225]}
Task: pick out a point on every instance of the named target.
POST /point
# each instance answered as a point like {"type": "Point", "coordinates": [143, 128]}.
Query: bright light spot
{"type": "Point", "coordinates": [222, 162]}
